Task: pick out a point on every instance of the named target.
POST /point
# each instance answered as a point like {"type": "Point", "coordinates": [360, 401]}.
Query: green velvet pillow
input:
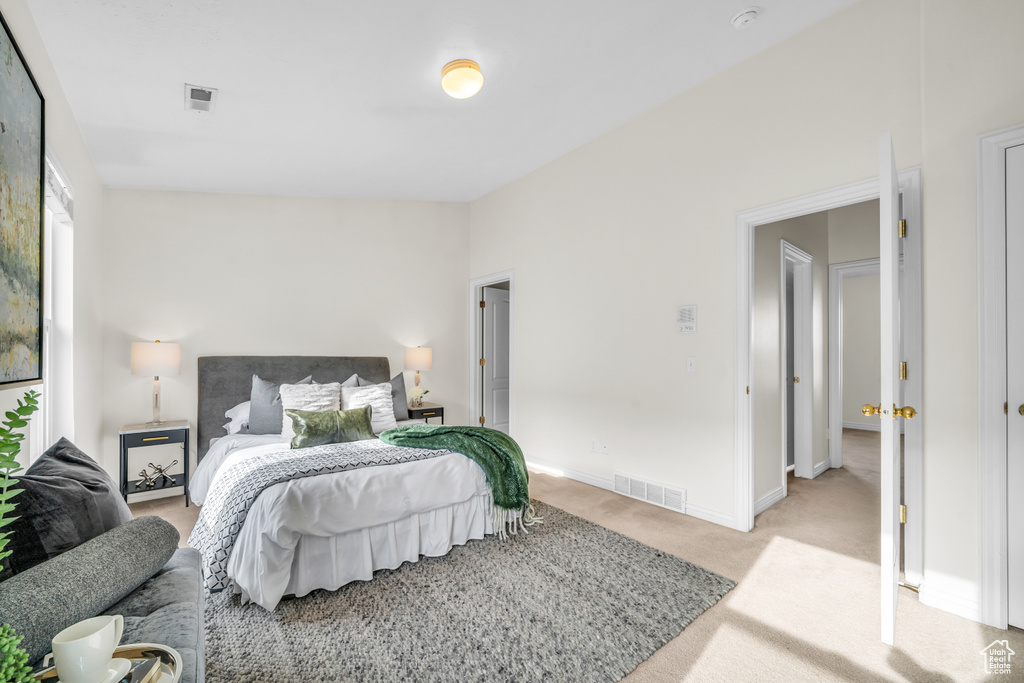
{"type": "Point", "coordinates": [329, 426]}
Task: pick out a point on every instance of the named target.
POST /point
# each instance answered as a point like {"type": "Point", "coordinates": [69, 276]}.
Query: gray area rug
{"type": "Point", "coordinates": [572, 601]}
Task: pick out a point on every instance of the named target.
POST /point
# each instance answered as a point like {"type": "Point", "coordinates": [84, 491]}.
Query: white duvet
{"type": "Point", "coordinates": [299, 535]}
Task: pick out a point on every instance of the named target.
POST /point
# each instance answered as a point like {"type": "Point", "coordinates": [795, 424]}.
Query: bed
{"type": "Point", "coordinates": [327, 530]}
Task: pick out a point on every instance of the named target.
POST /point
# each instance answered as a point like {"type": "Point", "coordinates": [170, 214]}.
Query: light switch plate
{"type": "Point", "coordinates": [691, 364]}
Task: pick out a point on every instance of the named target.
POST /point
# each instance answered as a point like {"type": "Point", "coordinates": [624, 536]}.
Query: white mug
{"type": "Point", "coordinates": [82, 652]}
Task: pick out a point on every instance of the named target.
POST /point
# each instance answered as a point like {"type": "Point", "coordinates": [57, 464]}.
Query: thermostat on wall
{"type": "Point", "coordinates": [686, 320]}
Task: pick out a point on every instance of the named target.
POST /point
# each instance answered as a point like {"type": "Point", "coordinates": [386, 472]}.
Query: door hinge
{"type": "Point", "coordinates": [1006, 408]}
{"type": "Point", "coordinates": [903, 227]}
{"type": "Point", "coordinates": [482, 361]}
{"type": "Point", "coordinates": [483, 304]}
{"type": "Point", "coordinates": [481, 419]}
{"type": "Point", "coordinates": [903, 370]}
{"type": "Point", "coordinates": [748, 390]}
{"type": "Point", "coordinates": [903, 514]}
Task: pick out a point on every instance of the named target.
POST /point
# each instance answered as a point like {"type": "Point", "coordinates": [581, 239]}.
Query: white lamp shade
{"type": "Point", "coordinates": [419, 359]}
{"type": "Point", "coordinates": [156, 359]}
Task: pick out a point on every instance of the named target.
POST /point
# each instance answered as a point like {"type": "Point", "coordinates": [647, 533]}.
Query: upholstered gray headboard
{"type": "Point", "coordinates": [226, 381]}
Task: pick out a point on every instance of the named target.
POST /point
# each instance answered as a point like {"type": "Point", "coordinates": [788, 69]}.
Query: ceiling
{"type": "Point", "coordinates": [343, 99]}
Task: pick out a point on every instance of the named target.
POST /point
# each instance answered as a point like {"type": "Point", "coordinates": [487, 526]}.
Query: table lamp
{"type": "Point", "coordinates": [156, 359]}
{"type": "Point", "coordinates": [418, 359]}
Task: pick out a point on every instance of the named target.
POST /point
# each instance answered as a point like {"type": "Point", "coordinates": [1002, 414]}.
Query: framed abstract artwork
{"type": "Point", "coordinates": [21, 218]}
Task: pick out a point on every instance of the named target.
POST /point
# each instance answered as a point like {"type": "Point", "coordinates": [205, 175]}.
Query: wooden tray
{"type": "Point", "coordinates": [170, 661]}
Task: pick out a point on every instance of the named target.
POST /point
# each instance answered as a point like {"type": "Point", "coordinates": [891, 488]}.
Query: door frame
{"type": "Point", "coordinates": [476, 286]}
{"type": "Point", "coordinates": [803, 359]}
{"type": "Point", "coordinates": [746, 221]}
{"type": "Point", "coordinates": [993, 572]}
{"type": "Point", "coordinates": [837, 274]}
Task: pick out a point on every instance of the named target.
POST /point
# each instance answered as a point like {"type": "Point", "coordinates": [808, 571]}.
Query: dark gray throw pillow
{"type": "Point", "coordinates": [66, 499]}
{"type": "Point", "coordinates": [398, 397]}
{"type": "Point", "coordinates": [266, 412]}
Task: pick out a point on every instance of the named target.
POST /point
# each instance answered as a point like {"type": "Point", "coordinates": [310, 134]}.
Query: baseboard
{"type": "Point", "coordinates": [575, 475]}
{"type": "Point", "coordinates": [821, 467]}
{"type": "Point", "coordinates": [958, 597]}
{"type": "Point", "coordinates": [769, 499]}
{"type": "Point", "coordinates": [698, 511]}
{"type": "Point", "coordinates": [710, 515]}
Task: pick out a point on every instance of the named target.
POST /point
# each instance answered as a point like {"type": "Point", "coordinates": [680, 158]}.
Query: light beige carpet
{"type": "Point", "coordinates": [806, 607]}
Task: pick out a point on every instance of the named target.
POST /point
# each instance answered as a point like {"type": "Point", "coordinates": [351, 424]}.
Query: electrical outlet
{"type": "Point", "coordinates": [604, 449]}
{"type": "Point", "coordinates": [593, 445]}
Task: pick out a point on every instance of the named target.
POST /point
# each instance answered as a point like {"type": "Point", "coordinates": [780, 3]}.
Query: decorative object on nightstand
{"type": "Point", "coordinates": [416, 395]}
{"type": "Point", "coordinates": [161, 471]}
{"type": "Point", "coordinates": [140, 435]}
{"type": "Point", "coordinates": [418, 359]}
{"type": "Point", "coordinates": [147, 481]}
{"type": "Point", "coordinates": [155, 359]}
{"type": "Point", "coordinates": [425, 411]}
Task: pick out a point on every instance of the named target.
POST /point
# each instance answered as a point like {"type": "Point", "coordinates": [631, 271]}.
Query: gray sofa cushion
{"type": "Point", "coordinates": [66, 499]}
{"type": "Point", "coordinates": [169, 609]}
{"type": "Point", "coordinates": [84, 581]}
{"type": "Point", "coordinates": [266, 412]}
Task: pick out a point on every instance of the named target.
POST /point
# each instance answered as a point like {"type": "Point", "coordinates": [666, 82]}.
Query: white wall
{"type": "Point", "coordinates": [608, 239]}
{"type": "Point", "coordinates": [809, 233]}
{"type": "Point", "coordinates": [65, 139]}
{"type": "Point", "coordinates": [226, 274]}
{"type": "Point", "coordinates": [853, 232]}
{"type": "Point", "coordinates": [862, 354]}
{"type": "Point", "coordinates": [853, 236]}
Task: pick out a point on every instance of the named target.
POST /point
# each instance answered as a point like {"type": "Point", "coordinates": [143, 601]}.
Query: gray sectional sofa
{"type": "Point", "coordinates": [135, 569]}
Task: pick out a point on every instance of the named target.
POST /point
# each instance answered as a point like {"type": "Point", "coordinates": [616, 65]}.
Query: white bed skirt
{"type": "Point", "coordinates": [331, 562]}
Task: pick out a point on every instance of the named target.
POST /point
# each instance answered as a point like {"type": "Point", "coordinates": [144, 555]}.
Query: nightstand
{"type": "Point", "coordinates": [140, 435]}
{"type": "Point", "coordinates": [426, 411]}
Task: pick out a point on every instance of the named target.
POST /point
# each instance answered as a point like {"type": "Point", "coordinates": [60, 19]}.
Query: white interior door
{"type": "Point", "coordinates": [1015, 383]}
{"type": "Point", "coordinates": [891, 394]}
{"type": "Point", "coordinates": [800, 376]}
{"type": "Point", "coordinates": [496, 358]}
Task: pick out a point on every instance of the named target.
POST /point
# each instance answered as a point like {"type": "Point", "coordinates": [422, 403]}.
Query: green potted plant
{"type": "Point", "coordinates": [13, 660]}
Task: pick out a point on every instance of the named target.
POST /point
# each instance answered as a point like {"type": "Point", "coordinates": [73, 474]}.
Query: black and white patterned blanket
{"type": "Point", "coordinates": [236, 489]}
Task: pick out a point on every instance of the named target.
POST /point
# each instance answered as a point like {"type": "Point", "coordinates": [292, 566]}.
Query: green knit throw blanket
{"type": "Point", "coordinates": [496, 452]}
{"type": "Point", "coordinates": [498, 455]}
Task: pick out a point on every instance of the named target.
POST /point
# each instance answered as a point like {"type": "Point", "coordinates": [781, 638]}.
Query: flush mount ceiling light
{"type": "Point", "coordinates": [461, 78]}
{"type": "Point", "coordinates": [745, 18]}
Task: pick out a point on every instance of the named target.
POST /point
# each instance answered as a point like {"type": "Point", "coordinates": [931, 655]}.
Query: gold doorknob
{"type": "Point", "coordinates": [796, 380]}
{"type": "Point", "coordinates": [870, 410]}
{"type": "Point", "coordinates": [906, 412]}
{"type": "Point", "coordinates": [1021, 409]}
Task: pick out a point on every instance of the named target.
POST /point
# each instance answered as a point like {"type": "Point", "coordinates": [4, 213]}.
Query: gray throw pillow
{"type": "Point", "coordinates": [66, 500]}
{"type": "Point", "coordinates": [266, 413]}
{"type": "Point", "coordinates": [398, 397]}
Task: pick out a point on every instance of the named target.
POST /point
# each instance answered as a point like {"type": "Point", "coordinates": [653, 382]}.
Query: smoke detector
{"type": "Point", "coordinates": [745, 18]}
{"type": "Point", "coordinates": [198, 98]}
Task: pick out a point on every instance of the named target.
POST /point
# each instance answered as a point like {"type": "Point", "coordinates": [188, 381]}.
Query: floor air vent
{"type": "Point", "coordinates": [648, 491]}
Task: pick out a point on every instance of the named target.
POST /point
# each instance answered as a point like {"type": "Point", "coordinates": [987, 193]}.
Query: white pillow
{"type": "Point", "coordinates": [312, 397]}
{"type": "Point", "coordinates": [378, 397]}
{"type": "Point", "coordinates": [238, 416]}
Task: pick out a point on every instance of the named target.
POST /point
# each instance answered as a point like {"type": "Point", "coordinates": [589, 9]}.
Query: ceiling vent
{"type": "Point", "coordinates": [198, 98]}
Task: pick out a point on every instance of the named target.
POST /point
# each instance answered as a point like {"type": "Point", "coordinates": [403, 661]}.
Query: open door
{"type": "Point", "coordinates": [891, 408]}
{"type": "Point", "coordinates": [494, 366]}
